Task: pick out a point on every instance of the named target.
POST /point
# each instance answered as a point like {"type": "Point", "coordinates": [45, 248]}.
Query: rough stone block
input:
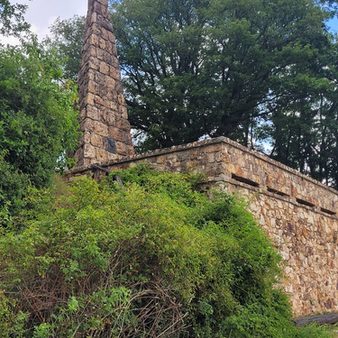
{"type": "Point", "coordinates": [89, 151]}
{"type": "Point", "coordinates": [97, 140]}
{"type": "Point", "coordinates": [104, 68]}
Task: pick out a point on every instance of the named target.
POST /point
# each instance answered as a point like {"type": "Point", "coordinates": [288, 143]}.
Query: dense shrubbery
{"type": "Point", "coordinates": [38, 122]}
{"type": "Point", "coordinates": [13, 186]}
{"type": "Point", "coordinates": [150, 258]}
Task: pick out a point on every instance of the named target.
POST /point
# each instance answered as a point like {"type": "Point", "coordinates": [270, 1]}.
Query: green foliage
{"type": "Point", "coordinates": [216, 67]}
{"type": "Point", "coordinates": [12, 323]}
{"type": "Point", "coordinates": [260, 72]}
{"type": "Point", "coordinates": [306, 136]}
{"type": "Point", "coordinates": [67, 40]}
{"type": "Point", "coordinates": [313, 331]}
{"type": "Point", "coordinates": [270, 319]}
{"type": "Point", "coordinates": [38, 122]}
{"type": "Point", "coordinates": [152, 257]}
{"type": "Point", "coordinates": [12, 18]}
{"type": "Point", "coordinates": [13, 187]}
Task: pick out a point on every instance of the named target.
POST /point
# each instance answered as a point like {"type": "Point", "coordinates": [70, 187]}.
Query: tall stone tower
{"type": "Point", "coordinates": [103, 111]}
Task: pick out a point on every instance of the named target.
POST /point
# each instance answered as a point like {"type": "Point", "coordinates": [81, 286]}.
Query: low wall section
{"type": "Point", "coordinates": [298, 213]}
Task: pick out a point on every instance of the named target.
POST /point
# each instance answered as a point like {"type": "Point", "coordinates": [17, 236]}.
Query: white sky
{"type": "Point", "coordinates": [42, 13]}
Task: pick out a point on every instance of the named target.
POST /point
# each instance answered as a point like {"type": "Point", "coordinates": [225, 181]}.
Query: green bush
{"type": "Point", "coordinates": [13, 187]}
{"type": "Point", "coordinates": [150, 258]}
{"type": "Point", "coordinates": [38, 121]}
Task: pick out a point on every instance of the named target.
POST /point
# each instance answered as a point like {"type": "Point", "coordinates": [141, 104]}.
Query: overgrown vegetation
{"type": "Point", "coordinates": [154, 257]}
{"type": "Point", "coordinates": [150, 258]}
{"type": "Point", "coordinates": [38, 121]}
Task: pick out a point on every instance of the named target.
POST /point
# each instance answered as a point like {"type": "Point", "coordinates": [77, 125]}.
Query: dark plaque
{"type": "Point", "coordinates": [110, 145]}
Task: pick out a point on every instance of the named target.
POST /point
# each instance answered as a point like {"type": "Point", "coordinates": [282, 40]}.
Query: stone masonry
{"type": "Point", "coordinates": [299, 214]}
{"type": "Point", "coordinates": [103, 112]}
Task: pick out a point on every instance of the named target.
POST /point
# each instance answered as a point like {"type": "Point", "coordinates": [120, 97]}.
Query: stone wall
{"type": "Point", "coordinates": [298, 213]}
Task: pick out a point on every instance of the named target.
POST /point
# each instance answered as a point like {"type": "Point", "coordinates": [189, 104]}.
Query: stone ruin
{"type": "Point", "coordinates": [298, 213]}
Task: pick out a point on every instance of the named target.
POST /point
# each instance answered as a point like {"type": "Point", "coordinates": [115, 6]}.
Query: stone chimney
{"type": "Point", "coordinates": [103, 111]}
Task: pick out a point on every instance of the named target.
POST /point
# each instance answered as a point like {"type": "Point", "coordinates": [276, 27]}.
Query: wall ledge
{"type": "Point", "coordinates": [199, 144]}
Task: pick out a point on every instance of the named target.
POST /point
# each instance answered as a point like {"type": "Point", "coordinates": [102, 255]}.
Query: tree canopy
{"type": "Point", "coordinates": [12, 18]}
{"type": "Point", "coordinates": [261, 72]}
{"type": "Point", "coordinates": [38, 120]}
{"type": "Point", "coordinates": [67, 40]}
{"type": "Point", "coordinates": [212, 67]}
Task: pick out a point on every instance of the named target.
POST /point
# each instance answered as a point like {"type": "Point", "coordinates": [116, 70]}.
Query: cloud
{"type": "Point", "coordinates": [42, 13]}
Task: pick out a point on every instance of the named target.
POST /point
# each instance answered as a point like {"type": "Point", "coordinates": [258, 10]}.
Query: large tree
{"type": "Point", "coordinates": [305, 134]}
{"type": "Point", "coordinates": [261, 72]}
{"type": "Point", "coordinates": [38, 122]}
{"type": "Point", "coordinates": [210, 67]}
